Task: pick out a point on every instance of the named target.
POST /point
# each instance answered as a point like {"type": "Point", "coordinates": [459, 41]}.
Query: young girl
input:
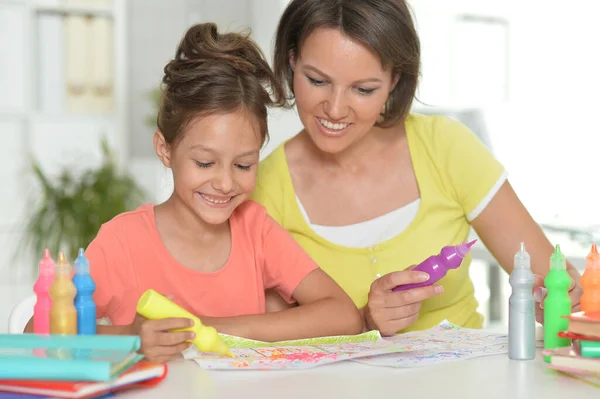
{"type": "Point", "coordinates": [208, 247]}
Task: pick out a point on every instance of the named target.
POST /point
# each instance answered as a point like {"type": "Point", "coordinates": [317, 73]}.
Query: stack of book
{"type": "Point", "coordinates": [582, 357]}
{"type": "Point", "coordinates": [74, 366]}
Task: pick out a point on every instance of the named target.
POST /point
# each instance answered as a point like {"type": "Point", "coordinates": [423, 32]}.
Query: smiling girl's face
{"type": "Point", "coordinates": [214, 164]}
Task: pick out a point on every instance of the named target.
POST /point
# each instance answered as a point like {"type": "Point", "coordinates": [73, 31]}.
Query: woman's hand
{"type": "Point", "coordinates": [390, 312]}
{"type": "Point", "coordinates": [539, 294]}
{"type": "Point", "coordinates": [159, 343]}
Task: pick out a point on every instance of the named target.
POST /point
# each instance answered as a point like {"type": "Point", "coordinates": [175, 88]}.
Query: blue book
{"type": "Point", "coordinates": [66, 357]}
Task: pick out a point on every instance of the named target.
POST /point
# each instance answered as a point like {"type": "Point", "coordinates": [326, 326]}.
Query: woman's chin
{"type": "Point", "coordinates": [329, 146]}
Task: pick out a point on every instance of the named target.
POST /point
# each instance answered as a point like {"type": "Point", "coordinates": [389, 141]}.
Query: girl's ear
{"type": "Point", "coordinates": [162, 148]}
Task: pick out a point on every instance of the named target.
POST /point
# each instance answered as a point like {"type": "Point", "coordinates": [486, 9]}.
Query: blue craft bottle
{"type": "Point", "coordinates": [84, 302]}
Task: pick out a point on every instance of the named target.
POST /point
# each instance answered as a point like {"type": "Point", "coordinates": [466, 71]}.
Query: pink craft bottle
{"type": "Point", "coordinates": [41, 310]}
{"type": "Point", "coordinates": [450, 257]}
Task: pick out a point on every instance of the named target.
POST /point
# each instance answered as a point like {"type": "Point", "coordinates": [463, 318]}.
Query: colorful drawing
{"type": "Point", "coordinates": [445, 342]}
{"type": "Point", "coordinates": [284, 355]}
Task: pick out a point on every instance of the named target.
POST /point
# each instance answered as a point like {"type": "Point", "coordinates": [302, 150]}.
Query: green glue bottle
{"type": "Point", "coordinates": [557, 303]}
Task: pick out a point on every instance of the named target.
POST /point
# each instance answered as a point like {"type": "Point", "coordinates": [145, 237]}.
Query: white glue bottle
{"type": "Point", "coordinates": [521, 309]}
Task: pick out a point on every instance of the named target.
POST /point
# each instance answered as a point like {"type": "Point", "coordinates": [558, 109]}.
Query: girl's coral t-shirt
{"type": "Point", "coordinates": [128, 257]}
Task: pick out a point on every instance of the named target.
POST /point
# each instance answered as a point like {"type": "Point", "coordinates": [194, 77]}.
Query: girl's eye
{"type": "Point", "coordinates": [203, 165]}
{"type": "Point", "coordinates": [244, 167]}
{"type": "Point", "coordinates": [364, 92]}
{"type": "Point", "coordinates": [316, 82]}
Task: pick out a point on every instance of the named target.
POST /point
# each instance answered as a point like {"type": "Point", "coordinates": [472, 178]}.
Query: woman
{"type": "Point", "coordinates": [369, 189]}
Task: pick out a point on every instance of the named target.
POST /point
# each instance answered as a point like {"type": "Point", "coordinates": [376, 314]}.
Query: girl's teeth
{"type": "Point", "coordinates": [215, 201]}
{"type": "Point", "coordinates": [333, 126]}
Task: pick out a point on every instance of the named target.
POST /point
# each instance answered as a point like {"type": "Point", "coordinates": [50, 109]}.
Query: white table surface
{"type": "Point", "coordinates": [491, 377]}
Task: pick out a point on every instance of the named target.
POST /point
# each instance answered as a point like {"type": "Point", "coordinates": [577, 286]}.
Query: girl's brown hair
{"type": "Point", "coordinates": [213, 73]}
{"type": "Point", "coordinates": [385, 26]}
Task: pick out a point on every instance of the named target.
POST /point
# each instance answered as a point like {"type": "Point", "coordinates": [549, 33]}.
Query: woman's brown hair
{"type": "Point", "coordinates": [385, 26]}
{"type": "Point", "coordinates": [215, 73]}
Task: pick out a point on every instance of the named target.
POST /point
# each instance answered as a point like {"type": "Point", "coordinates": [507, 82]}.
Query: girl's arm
{"type": "Point", "coordinates": [504, 224]}
{"type": "Point", "coordinates": [324, 310]}
{"type": "Point", "coordinates": [274, 302]}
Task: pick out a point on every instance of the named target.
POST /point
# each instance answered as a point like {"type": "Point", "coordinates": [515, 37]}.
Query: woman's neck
{"type": "Point", "coordinates": [361, 152]}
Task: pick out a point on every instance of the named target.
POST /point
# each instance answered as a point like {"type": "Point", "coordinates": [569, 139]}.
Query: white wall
{"type": "Point", "coordinates": [545, 133]}
{"type": "Point", "coordinates": [552, 142]}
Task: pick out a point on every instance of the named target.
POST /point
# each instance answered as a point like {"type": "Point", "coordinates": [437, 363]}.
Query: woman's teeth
{"type": "Point", "coordinates": [333, 126]}
{"type": "Point", "coordinates": [214, 200]}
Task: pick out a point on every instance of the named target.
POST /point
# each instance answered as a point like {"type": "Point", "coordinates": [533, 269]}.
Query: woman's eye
{"type": "Point", "coordinates": [363, 91]}
{"type": "Point", "coordinates": [316, 82]}
{"type": "Point", "coordinates": [203, 165]}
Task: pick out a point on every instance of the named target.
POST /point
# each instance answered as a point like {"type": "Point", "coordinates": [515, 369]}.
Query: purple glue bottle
{"type": "Point", "coordinates": [450, 257]}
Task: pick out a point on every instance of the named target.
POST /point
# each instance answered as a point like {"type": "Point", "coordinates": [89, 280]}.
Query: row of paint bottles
{"type": "Point", "coordinates": [64, 302]}
{"type": "Point", "coordinates": [557, 304]}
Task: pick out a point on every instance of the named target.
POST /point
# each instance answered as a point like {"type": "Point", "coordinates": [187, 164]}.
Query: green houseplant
{"type": "Point", "coordinates": [68, 212]}
{"type": "Point", "coordinates": [153, 97]}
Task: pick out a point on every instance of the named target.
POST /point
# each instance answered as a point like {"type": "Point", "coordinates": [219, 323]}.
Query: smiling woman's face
{"type": "Point", "coordinates": [340, 87]}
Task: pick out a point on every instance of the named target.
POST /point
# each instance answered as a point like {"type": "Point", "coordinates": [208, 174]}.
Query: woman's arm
{"type": "Point", "coordinates": [505, 223]}
{"type": "Point", "coordinates": [324, 310]}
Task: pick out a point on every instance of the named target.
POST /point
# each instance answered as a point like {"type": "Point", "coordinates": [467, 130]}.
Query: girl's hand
{"type": "Point", "coordinates": [159, 344]}
{"type": "Point", "coordinates": [540, 291]}
{"type": "Point", "coordinates": [390, 312]}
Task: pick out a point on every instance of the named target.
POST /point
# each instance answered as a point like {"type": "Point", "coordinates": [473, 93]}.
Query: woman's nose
{"type": "Point", "coordinates": [336, 106]}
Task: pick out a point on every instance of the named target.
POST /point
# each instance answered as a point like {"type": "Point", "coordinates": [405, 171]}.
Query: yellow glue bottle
{"type": "Point", "coordinates": [63, 314]}
{"type": "Point", "coordinates": [154, 306]}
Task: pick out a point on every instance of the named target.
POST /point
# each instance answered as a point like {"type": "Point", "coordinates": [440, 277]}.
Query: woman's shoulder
{"type": "Point", "coordinates": [436, 129]}
{"type": "Point", "coordinates": [441, 137]}
{"type": "Point", "coordinates": [271, 179]}
{"type": "Point", "coordinates": [272, 164]}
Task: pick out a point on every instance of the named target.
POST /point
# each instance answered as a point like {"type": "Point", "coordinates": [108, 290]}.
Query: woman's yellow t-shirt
{"type": "Point", "coordinates": [455, 172]}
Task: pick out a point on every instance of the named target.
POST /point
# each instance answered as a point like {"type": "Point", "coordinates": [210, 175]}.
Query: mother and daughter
{"type": "Point", "coordinates": [310, 241]}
